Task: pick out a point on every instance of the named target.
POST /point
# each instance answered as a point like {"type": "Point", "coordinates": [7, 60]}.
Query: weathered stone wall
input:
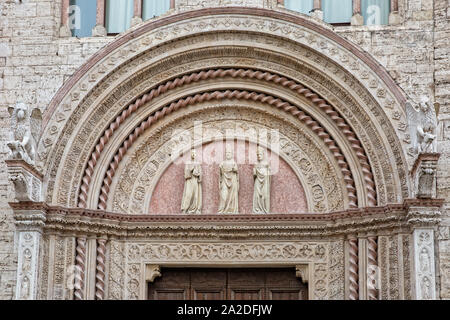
{"type": "Point", "coordinates": [35, 62]}
{"type": "Point", "coordinates": [442, 94]}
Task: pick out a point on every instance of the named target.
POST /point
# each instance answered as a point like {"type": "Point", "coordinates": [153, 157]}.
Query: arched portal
{"type": "Point", "coordinates": [278, 60]}
{"type": "Point", "coordinates": [331, 115]}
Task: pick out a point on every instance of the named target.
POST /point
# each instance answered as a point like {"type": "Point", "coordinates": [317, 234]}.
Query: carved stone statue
{"type": "Point", "coordinates": [261, 192]}
{"type": "Point", "coordinates": [422, 121]}
{"type": "Point", "coordinates": [424, 260]}
{"type": "Point", "coordinates": [426, 288]}
{"type": "Point", "coordinates": [192, 194]}
{"type": "Point", "coordinates": [228, 185]}
{"type": "Point", "coordinates": [25, 127]}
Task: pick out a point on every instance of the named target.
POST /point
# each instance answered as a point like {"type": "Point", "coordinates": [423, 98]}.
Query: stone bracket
{"type": "Point", "coordinates": [423, 175]}
{"type": "Point", "coordinates": [27, 181]}
{"type": "Point", "coordinates": [152, 271]}
{"type": "Point", "coordinates": [302, 271]}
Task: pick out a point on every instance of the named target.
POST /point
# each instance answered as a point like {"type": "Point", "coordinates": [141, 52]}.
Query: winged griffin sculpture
{"type": "Point", "coordinates": [423, 122]}
{"type": "Point", "coordinates": [25, 127]}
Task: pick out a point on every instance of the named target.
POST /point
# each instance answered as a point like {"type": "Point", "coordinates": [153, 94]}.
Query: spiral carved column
{"type": "Point", "coordinates": [80, 268]}
{"type": "Point", "coordinates": [372, 259]}
{"type": "Point", "coordinates": [100, 270]}
{"type": "Point", "coordinates": [353, 269]}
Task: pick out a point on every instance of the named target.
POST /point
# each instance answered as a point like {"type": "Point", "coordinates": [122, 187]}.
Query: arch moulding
{"type": "Point", "coordinates": [323, 52]}
{"type": "Point", "coordinates": [107, 138]}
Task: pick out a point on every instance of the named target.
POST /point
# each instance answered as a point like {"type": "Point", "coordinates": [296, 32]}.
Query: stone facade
{"type": "Point", "coordinates": [35, 62]}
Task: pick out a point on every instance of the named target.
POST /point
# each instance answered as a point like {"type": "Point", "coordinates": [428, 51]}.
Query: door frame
{"type": "Point", "coordinates": [322, 263]}
{"type": "Point", "coordinates": [153, 271]}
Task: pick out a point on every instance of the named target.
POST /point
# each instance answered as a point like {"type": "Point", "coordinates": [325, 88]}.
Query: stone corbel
{"type": "Point", "coordinates": [152, 272]}
{"type": "Point", "coordinates": [27, 181]}
{"type": "Point", "coordinates": [423, 175]}
{"type": "Point", "coordinates": [302, 271]}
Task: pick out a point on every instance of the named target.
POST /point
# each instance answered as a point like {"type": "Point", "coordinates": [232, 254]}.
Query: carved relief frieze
{"type": "Point", "coordinates": [406, 252]}
{"type": "Point", "coordinates": [57, 275]}
{"type": "Point", "coordinates": [336, 272]}
{"type": "Point", "coordinates": [383, 255]}
{"type": "Point", "coordinates": [394, 266]}
{"type": "Point", "coordinates": [27, 265]}
{"type": "Point", "coordinates": [394, 271]}
{"type": "Point", "coordinates": [139, 256]}
{"type": "Point", "coordinates": [424, 264]}
{"type": "Point", "coordinates": [44, 270]}
{"type": "Point", "coordinates": [116, 271]}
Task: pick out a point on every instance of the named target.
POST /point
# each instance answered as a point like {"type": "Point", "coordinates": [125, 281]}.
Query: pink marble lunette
{"type": "Point", "coordinates": [287, 193]}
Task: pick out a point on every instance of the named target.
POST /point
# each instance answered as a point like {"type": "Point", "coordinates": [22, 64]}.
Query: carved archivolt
{"type": "Point", "coordinates": [102, 93]}
{"type": "Point", "coordinates": [220, 73]}
{"type": "Point", "coordinates": [147, 161]}
{"type": "Point", "coordinates": [217, 95]}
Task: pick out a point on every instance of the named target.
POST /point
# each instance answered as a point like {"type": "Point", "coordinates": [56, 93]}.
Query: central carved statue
{"type": "Point", "coordinates": [261, 193]}
{"type": "Point", "coordinates": [192, 194]}
{"type": "Point", "coordinates": [228, 184]}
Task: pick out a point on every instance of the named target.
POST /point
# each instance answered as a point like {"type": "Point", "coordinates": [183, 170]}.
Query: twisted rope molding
{"type": "Point", "coordinates": [100, 270]}
{"type": "Point", "coordinates": [353, 269]}
{"type": "Point", "coordinates": [80, 268]}
{"type": "Point", "coordinates": [372, 257]}
{"type": "Point", "coordinates": [228, 94]}
{"type": "Point", "coordinates": [235, 73]}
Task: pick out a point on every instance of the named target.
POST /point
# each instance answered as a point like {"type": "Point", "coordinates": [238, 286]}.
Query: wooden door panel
{"type": "Point", "coordinates": [168, 294]}
{"type": "Point", "coordinates": [232, 283]}
{"type": "Point", "coordinates": [246, 294]}
{"type": "Point", "coordinates": [209, 294]}
{"type": "Point", "coordinates": [286, 294]}
{"type": "Point", "coordinates": [208, 284]}
{"type": "Point", "coordinates": [246, 277]}
{"type": "Point", "coordinates": [172, 285]}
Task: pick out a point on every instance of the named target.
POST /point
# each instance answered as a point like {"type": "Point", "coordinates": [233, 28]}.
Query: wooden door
{"type": "Point", "coordinates": [228, 284]}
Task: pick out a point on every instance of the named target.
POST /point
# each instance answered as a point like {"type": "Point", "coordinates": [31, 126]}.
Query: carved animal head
{"type": "Point", "coordinates": [20, 111]}
{"type": "Point", "coordinates": [424, 103]}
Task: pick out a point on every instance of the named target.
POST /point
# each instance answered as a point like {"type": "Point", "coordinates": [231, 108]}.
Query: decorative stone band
{"type": "Point", "coordinates": [26, 166]}
{"type": "Point", "coordinates": [372, 259]}
{"type": "Point", "coordinates": [275, 14]}
{"type": "Point", "coordinates": [80, 268]}
{"type": "Point", "coordinates": [329, 110]}
{"type": "Point", "coordinates": [218, 95]}
{"type": "Point", "coordinates": [353, 269]}
{"type": "Point", "coordinates": [271, 226]}
{"type": "Point", "coordinates": [101, 269]}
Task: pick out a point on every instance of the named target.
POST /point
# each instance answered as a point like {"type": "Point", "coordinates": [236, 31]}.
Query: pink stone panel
{"type": "Point", "coordinates": [287, 194]}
